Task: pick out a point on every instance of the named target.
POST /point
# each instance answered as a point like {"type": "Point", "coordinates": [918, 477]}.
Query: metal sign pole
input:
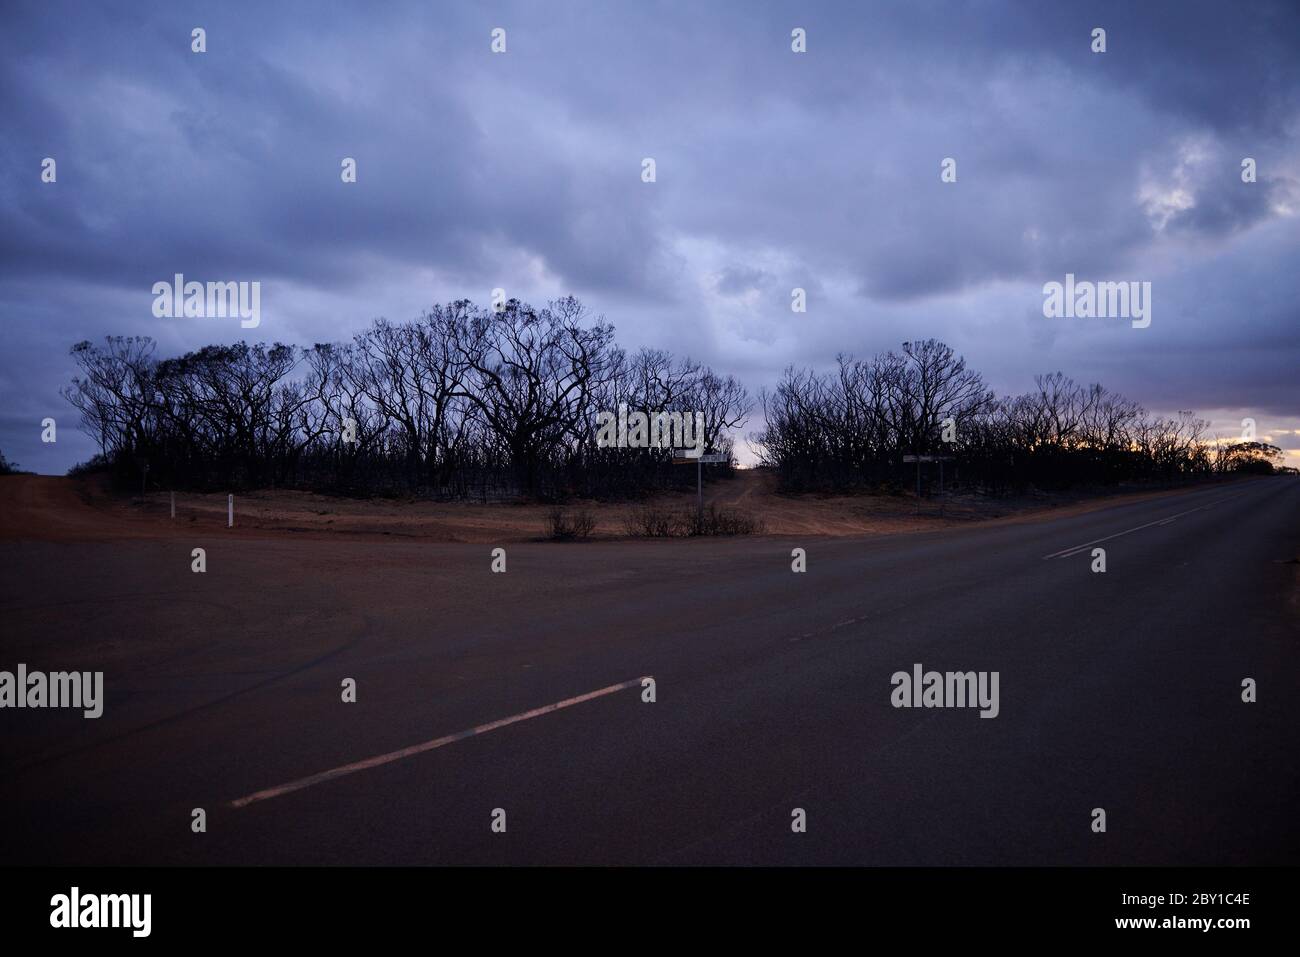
{"type": "Point", "coordinates": [713, 458]}
{"type": "Point", "coordinates": [699, 486]}
{"type": "Point", "coordinates": [918, 459]}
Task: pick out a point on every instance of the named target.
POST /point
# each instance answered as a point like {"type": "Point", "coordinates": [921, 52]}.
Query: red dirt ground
{"type": "Point", "coordinates": [49, 508]}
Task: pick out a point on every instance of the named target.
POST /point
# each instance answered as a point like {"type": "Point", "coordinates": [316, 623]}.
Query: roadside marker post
{"type": "Point", "coordinates": [230, 511]}
{"type": "Point", "coordinates": [173, 505]}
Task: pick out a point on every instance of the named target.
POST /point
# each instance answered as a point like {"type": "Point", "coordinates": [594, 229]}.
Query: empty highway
{"type": "Point", "coordinates": [522, 691]}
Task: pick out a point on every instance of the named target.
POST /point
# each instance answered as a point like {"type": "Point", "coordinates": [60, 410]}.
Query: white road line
{"type": "Point", "coordinates": [1075, 549]}
{"type": "Point", "coordinates": [414, 749]}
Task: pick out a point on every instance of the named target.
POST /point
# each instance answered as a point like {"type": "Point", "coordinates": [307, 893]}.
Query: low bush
{"type": "Point", "coordinates": [566, 526]}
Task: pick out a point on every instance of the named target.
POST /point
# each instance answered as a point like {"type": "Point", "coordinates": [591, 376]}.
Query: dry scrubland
{"type": "Point", "coordinates": [51, 508]}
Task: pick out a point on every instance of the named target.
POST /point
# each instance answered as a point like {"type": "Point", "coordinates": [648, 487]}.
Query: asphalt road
{"type": "Point", "coordinates": [1119, 691]}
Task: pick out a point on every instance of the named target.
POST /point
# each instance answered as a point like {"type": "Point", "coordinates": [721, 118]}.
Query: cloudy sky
{"type": "Point", "coordinates": [775, 170]}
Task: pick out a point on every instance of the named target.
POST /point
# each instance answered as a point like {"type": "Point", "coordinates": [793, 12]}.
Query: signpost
{"type": "Point", "coordinates": [918, 459]}
{"type": "Point", "coordinates": [700, 460]}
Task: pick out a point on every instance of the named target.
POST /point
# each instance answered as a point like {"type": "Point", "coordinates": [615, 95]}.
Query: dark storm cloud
{"type": "Point", "coordinates": [1224, 206]}
{"type": "Point", "coordinates": [735, 280]}
{"type": "Point", "coordinates": [775, 170]}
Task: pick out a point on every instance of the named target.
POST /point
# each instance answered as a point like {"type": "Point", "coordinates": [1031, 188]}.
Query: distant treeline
{"type": "Point", "coordinates": [461, 403]}
{"type": "Point", "coordinates": [467, 403]}
{"type": "Point", "coordinates": [850, 428]}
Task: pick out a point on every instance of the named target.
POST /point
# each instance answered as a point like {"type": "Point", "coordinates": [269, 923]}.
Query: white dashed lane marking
{"type": "Point", "coordinates": [391, 756]}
